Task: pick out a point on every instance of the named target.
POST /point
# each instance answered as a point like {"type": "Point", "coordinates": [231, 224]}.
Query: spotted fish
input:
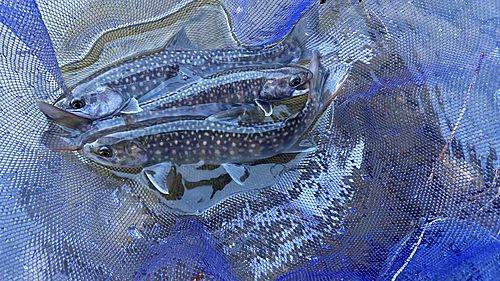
{"type": "Point", "coordinates": [84, 130]}
{"type": "Point", "coordinates": [261, 85]}
{"type": "Point", "coordinates": [95, 100]}
{"type": "Point", "coordinates": [157, 148]}
{"type": "Point", "coordinates": [181, 63]}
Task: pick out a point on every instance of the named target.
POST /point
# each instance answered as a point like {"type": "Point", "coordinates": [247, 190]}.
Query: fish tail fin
{"type": "Point", "coordinates": [308, 33]}
{"type": "Point", "coordinates": [54, 141]}
{"type": "Point", "coordinates": [180, 41]}
{"type": "Point", "coordinates": [64, 118]}
{"type": "Point", "coordinates": [315, 68]}
{"type": "Point", "coordinates": [320, 75]}
{"type": "Point", "coordinates": [332, 81]}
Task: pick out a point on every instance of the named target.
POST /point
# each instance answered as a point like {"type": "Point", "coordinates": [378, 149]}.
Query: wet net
{"type": "Point", "coordinates": [404, 183]}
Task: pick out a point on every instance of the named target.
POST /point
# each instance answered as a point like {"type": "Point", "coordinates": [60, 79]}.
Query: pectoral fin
{"type": "Point", "coordinates": [161, 176]}
{"type": "Point", "coordinates": [233, 114]}
{"type": "Point", "coordinates": [131, 107]}
{"type": "Point", "coordinates": [265, 106]}
{"type": "Point", "coordinates": [237, 172]}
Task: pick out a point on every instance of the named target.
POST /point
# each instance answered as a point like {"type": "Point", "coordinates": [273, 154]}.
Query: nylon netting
{"type": "Point", "coordinates": [390, 193]}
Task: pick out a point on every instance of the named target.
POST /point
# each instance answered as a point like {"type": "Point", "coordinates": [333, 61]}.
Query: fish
{"type": "Point", "coordinates": [259, 85]}
{"type": "Point", "coordinates": [180, 63]}
{"type": "Point", "coordinates": [160, 147]}
{"type": "Point", "coordinates": [84, 130]}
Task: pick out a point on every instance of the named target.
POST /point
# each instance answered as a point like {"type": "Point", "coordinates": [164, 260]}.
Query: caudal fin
{"type": "Point", "coordinates": [54, 141]}
{"type": "Point", "coordinates": [309, 35]}
{"type": "Point", "coordinates": [332, 81]}
{"type": "Point", "coordinates": [64, 118]}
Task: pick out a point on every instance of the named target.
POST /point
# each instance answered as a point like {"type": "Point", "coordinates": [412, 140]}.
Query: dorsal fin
{"type": "Point", "coordinates": [180, 41]}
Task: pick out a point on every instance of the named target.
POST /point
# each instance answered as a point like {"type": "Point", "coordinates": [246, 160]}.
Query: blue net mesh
{"type": "Point", "coordinates": [399, 188]}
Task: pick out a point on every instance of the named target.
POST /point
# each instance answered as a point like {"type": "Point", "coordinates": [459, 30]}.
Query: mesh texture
{"type": "Point", "coordinates": [390, 194]}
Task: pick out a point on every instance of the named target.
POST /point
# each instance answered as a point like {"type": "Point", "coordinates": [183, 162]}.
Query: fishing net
{"type": "Point", "coordinates": [404, 184]}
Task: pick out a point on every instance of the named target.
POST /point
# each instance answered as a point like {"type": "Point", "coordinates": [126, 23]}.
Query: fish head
{"type": "Point", "coordinates": [292, 82]}
{"type": "Point", "coordinates": [109, 152]}
{"type": "Point", "coordinates": [93, 104]}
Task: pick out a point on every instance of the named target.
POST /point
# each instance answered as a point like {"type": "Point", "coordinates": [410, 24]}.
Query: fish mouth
{"type": "Point", "coordinates": [300, 92]}
{"type": "Point", "coordinates": [58, 142]}
{"type": "Point", "coordinates": [304, 86]}
{"type": "Point", "coordinates": [302, 89]}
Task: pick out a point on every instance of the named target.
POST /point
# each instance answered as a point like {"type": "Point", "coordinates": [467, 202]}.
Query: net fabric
{"type": "Point", "coordinates": [361, 207]}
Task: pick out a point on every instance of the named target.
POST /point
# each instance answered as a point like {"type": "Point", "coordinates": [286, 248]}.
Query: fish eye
{"type": "Point", "coordinates": [77, 103]}
{"type": "Point", "coordinates": [105, 151]}
{"type": "Point", "coordinates": [294, 81]}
